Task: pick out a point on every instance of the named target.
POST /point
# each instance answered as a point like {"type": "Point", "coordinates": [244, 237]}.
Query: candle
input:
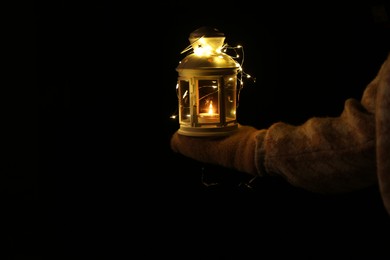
{"type": "Point", "coordinates": [210, 116]}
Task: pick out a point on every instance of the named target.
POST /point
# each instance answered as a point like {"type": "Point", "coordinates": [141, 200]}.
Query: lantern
{"type": "Point", "coordinates": [207, 86]}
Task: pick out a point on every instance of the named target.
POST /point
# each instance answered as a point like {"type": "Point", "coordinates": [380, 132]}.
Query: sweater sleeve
{"type": "Point", "coordinates": [324, 154]}
{"type": "Point", "coordinates": [332, 154]}
{"type": "Point", "coordinates": [382, 108]}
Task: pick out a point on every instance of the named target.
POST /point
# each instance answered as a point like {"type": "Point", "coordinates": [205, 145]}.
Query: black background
{"type": "Point", "coordinates": [94, 174]}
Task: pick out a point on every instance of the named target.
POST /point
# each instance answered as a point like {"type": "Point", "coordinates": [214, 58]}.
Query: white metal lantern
{"type": "Point", "coordinates": [207, 86]}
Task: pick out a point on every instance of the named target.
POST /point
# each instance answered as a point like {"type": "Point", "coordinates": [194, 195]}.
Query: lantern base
{"type": "Point", "coordinates": [208, 131]}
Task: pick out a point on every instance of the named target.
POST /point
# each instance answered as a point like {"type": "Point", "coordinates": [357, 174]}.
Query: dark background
{"type": "Point", "coordinates": [89, 171]}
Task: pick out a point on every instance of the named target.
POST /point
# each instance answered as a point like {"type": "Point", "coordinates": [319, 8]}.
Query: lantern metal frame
{"type": "Point", "coordinates": [207, 78]}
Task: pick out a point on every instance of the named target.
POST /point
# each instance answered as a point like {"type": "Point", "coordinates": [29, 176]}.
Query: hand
{"type": "Point", "coordinates": [236, 151]}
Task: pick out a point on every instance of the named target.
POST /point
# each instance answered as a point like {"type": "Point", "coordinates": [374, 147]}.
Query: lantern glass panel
{"type": "Point", "coordinates": [208, 107]}
{"type": "Point", "coordinates": [230, 97]}
{"type": "Point", "coordinates": [184, 101]}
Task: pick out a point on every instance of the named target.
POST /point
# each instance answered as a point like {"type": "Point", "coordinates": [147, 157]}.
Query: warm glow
{"type": "Point", "coordinates": [211, 110]}
{"type": "Point", "coordinates": [203, 51]}
{"type": "Point", "coordinates": [205, 48]}
{"type": "Point", "coordinates": [211, 72]}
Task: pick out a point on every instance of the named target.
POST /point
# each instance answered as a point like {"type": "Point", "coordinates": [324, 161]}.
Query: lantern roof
{"type": "Point", "coordinates": [205, 31]}
{"type": "Point", "coordinates": [207, 43]}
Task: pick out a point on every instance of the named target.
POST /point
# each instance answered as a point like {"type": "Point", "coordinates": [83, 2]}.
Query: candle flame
{"type": "Point", "coordinates": [211, 110]}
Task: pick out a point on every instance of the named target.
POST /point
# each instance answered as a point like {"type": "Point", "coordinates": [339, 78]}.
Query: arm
{"type": "Point", "coordinates": [324, 154]}
{"type": "Point", "coordinates": [327, 155]}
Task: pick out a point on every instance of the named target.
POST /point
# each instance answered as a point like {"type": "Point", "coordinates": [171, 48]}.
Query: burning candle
{"type": "Point", "coordinates": [210, 116]}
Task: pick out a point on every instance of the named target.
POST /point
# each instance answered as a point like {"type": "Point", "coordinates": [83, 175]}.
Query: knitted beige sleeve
{"type": "Point", "coordinates": [335, 154]}
{"type": "Point", "coordinates": [324, 154]}
{"type": "Point", "coordinates": [383, 132]}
